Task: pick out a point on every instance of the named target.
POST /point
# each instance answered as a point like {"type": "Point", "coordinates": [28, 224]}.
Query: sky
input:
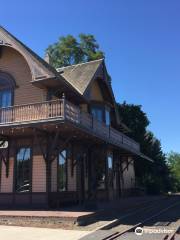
{"type": "Point", "coordinates": [141, 41]}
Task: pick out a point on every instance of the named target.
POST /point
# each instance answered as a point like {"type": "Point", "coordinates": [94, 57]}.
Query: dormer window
{"type": "Point", "coordinates": [97, 112]}
{"type": "Point", "coordinates": [107, 116]}
{"type": "Point", "coordinates": [101, 113]}
{"type": "Point", "coordinates": [6, 90]}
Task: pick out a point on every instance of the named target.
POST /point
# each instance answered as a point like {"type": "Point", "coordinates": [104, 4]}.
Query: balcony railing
{"type": "Point", "coordinates": [63, 110]}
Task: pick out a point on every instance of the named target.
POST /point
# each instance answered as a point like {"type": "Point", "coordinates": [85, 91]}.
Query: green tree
{"type": "Point", "coordinates": [69, 50]}
{"type": "Point", "coordinates": [90, 48]}
{"type": "Point", "coordinates": [155, 177]}
{"type": "Point", "coordinates": [173, 160]}
{"type": "Point", "coordinates": [133, 116]}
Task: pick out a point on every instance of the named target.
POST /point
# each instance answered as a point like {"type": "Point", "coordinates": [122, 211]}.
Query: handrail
{"type": "Point", "coordinates": [86, 120]}
{"type": "Point", "coordinates": [31, 104]}
{"type": "Point", "coordinates": [63, 109]}
{"type": "Point", "coordinates": [31, 112]}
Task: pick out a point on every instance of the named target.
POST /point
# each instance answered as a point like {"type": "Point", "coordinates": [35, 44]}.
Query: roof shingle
{"type": "Point", "coordinates": [80, 75]}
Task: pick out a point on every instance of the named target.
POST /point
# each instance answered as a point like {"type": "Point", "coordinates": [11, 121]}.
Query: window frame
{"type": "Point", "coordinates": [110, 171]}
{"type": "Point", "coordinates": [6, 91]}
{"type": "Point", "coordinates": [11, 85]}
{"type": "Point", "coordinates": [104, 107]}
{"type": "Point", "coordinates": [107, 109]}
{"type": "Point", "coordinates": [30, 166]}
{"type": "Point", "coordinates": [68, 154]}
{"type": "Point", "coordinates": [98, 107]}
{"type": "Point", "coordinates": [104, 172]}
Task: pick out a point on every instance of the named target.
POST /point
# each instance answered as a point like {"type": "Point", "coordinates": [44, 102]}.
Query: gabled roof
{"type": "Point", "coordinates": [81, 75]}
{"type": "Point", "coordinates": [77, 77]}
{"type": "Point", "coordinates": [42, 72]}
{"type": "Point", "coordinates": [39, 68]}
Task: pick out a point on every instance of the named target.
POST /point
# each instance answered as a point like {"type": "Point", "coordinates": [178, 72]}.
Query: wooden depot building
{"type": "Point", "coordinates": [61, 140]}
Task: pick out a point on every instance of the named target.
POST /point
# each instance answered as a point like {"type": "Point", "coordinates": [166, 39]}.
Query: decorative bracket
{"type": "Point", "coordinates": [127, 165]}
{"type": "Point", "coordinates": [4, 157]}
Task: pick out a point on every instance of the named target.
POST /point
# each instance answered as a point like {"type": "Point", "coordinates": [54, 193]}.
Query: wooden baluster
{"type": "Point", "coordinates": [64, 106]}
{"type": "Point", "coordinates": [54, 110]}
{"type": "Point", "coordinates": [52, 107]}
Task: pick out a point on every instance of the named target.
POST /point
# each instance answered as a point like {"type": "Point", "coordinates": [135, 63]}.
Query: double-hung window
{"type": "Point", "coordinates": [23, 170]}
{"type": "Point", "coordinates": [5, 98]}
{"type": "Point", "coordinates": [110, 168]}
{"type": "Point", "coordinates": [101, 113]}
{"type": "Point", "coordinates": [97, 112]}
{"type": "Point", "coordinates": [62, 171]}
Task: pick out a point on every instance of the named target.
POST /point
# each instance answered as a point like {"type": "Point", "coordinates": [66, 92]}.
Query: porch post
{"type": "Point", "coordinates": [48, 171]}
{"type": "Point", "coordinates": [80, 173]}
{"type": "Point", "coordinates": [121, 174]}
{"type": "Point", "coordinates": [117, 173]}
{"type": "Point", "coordinates": [49, 154]}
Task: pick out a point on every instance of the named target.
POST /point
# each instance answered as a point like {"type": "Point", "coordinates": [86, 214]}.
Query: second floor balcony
{"type": "Point", "coordinates": [63, 111]}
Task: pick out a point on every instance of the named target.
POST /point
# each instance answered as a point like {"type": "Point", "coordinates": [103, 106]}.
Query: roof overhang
{"type": "Point", "coordinates": [38, 67]}
{"type": "Point", "coordinates": [141, 155]}
{"type": "Point", "coordinates": [60, 85]}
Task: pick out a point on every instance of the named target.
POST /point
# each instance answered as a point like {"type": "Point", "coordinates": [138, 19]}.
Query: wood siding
{"type": "Point", "coordinates": [13, 63]}
{"type": "Point", "coordinates": [71, 181]}
{"type": "Point", "coordinates": [38, 171]}
{"type": "Point", "coordinates": [54, 176]}
{"type": "Point", "coordinates": [7, 182]}
{"type": "Point", "coordinates": [129, 175]}
{"type": "Point", "coordinates": [95, 92]}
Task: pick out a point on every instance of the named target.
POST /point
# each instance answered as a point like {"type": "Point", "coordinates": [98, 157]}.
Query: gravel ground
{"type": "Point", "coordinates": [69, 225]}
{"type": "Point", "coordinates": [168, 220]}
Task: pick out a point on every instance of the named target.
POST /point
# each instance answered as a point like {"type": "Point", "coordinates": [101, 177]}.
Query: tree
{"type": "Point", "coordinates": [173, 160]}
{"type": "Point", "coordinates": [69, 50]}
{"type": "Point", "coordinates": [133, 116]}
{"type": "Point", "coordinates": [90, 48]}
{"type": "Point", "coordinates": [155, 177]}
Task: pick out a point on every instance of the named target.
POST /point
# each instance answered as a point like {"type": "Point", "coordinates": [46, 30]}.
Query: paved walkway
{"type": "Point", "coordinates": [28, 233]}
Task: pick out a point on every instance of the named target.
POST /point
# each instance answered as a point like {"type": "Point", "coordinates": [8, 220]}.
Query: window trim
{"type": "Point", "coordinates": [15, 168]}
{"type": "Point", "coordinates": [10, 80]}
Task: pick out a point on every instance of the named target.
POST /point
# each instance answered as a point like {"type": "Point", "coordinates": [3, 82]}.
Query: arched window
{"type": "Point", "coordinates": [7, 85]}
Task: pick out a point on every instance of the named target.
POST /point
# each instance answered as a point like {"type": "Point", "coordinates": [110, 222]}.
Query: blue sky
{"type": "Point", "coordinates": [141, 40]}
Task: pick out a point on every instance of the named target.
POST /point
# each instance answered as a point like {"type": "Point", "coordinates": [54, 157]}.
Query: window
{"type": "Point", "coordinates": [110, 169]}
{"type": "Point", "coordinates": [7, 85]}
{"type": "Point", "coordinates": [5, 98]}
{"type": "Point", "coordinates": [62, 171]}
{"type": "Point", "coordinates": [23, 170]}
{"type": "Point", "coordinates": [101, 173]}
{"type": "Point", "coordinates": [97, 113]}
{"type": "Point", "coordinates": [110, 162]}
{"type": "Point", "coordinates": [101, 113]}
{"type": "Point", "coordinates": [107, 116]}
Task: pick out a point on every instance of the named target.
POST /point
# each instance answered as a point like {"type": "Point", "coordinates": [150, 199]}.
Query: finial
{"type": "Point", "coordinates": [47, 58]}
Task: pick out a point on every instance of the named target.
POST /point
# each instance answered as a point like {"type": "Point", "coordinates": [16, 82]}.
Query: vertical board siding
{"type": "Point", "coordinates": [7, 183]}
{"type": "Point", "coordinates": [38, 172]}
